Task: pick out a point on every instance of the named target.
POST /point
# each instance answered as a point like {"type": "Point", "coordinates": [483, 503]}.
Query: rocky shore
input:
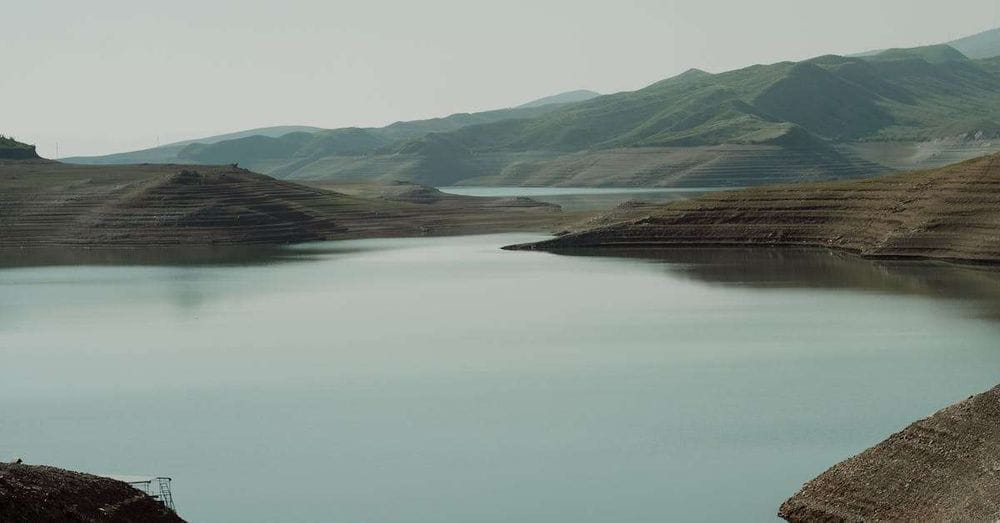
{"type": "Point", "coordinates": [942, 468]}
{"type": "Point", "coordinates": [39, 494]}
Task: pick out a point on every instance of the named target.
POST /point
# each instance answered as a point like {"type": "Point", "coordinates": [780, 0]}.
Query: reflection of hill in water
{"type": "Point", "coordinates": [171, 257]}
{"type": "Point", "coordinates": [822, 269]}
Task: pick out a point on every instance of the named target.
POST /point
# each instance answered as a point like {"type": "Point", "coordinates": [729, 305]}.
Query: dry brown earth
{"type": "Point", "coordinates": [952, 213]}
{"type": "Point", "coordinates": [44, 204]}
{"type": "Point", "coordinates": [39, 494]}
{"type": "Point", "coordinates": [942, 468]}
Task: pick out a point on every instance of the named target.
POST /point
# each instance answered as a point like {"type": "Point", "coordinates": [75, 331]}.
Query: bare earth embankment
{"type": "Point", "coordinates": [951, 213]}
{"type": "Point", "coordinates": [942, 468]}
{"type": "Point", "coordinates": [46, 204]}
{"type": "Point", "coordinates": [37, 494]}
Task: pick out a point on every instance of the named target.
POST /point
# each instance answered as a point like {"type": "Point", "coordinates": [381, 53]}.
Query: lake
{"type": "Point", "coordinates": [442, 379]}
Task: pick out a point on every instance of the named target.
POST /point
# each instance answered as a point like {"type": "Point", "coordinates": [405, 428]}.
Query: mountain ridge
{"type": "Point", "coordinates": [181, 152]}
{"type": "Point", "coordinates": [818, 118]}
{"type": "Point", "coordinates": [980, 45]}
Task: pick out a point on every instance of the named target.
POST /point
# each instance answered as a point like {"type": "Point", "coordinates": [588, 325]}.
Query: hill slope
{"type": "Point", "coordinates": [12, 149]}
{"type": "Point", "coordinates": [788, 121]}
{"type": "Point", "coordinates": [579, 95]}
{"type": "Point", "coordinates": [272, 148]}
{"type": "Point", "coordinates": [168, 153]}
{"type": "Point", "coordinates": [30, 493]}
{"type": "Point", "coordinates": [46, 203]}
{"type": "Point", "coordinates": [948, 214]}
{"type": "Point", "coordinates": [981, 45]}
{"type": "Point", "coordinates": [942, 468]}
{"type": "Point", "coordinates": [829, 117]}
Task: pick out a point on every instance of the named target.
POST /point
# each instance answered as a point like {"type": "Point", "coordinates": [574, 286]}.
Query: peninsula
{"type": "Point", "coordinates": [944, 214]}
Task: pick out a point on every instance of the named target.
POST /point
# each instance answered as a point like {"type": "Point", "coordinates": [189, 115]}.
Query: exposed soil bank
{"type": "Point", "coordinates": [46, 204]}
{"type": "Point", "coordinates": [951, 213]}
{"type": "Point", "coordinates": [38, 494]}
{"type": "Point", "coordinates": [942, 468]}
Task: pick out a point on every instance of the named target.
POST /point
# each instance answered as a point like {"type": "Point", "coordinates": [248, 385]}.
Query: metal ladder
{"type": "Point", "coordinates": [165, 496]}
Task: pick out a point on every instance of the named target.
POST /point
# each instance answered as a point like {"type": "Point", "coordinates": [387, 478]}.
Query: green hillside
{"type": "Point", "coordinates": [13, 149]}
{"type": "Point", "coordinates": [168, 153]}
{"type": "Point", "coordinates": [282, 153]}
{"type": "Point", "coordinates": [898, 94]}
{"type": "Point", "coordinates": [268, 147]}
{"type": "Point", "coordinates": [827, 117]}
{"type": "Point", "coordinates": [765, 123]}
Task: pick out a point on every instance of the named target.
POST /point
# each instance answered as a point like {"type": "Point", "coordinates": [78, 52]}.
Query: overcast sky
{"type": "Point", "coordinates": [105, 76]}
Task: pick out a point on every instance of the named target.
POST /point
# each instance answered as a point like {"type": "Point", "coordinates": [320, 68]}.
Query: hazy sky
{"type": "Point", "coordinates": [104, 76]}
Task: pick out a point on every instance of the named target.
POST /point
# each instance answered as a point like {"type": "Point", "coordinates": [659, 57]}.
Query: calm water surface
{"type": "Point", "coordinates": [441, 379]}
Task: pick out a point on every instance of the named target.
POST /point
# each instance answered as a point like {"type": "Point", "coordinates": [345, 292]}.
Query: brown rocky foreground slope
{"type": "Point", "coordinates": [38, 494]}
{"type": "Point", "coordinates": [45, 203]}
{"type": "Point", "coordinates": [942, 468]}
{"type": "Point", "coordinates": [951, 213]}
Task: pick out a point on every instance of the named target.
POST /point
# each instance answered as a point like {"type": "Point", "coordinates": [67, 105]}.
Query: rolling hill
{"type": "Point", "coordinates": [269, 148]}
{"type": "Point", "coordinates": [830, 117]}
{"type": "Point", "coordinates": [50, 204]}
{"type": "Point", "coordinates": [168, 153]}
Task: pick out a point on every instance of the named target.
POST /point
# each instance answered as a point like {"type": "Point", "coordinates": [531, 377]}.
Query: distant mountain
{"type": "Point", "coordinates": [272, 132]}
{"type": "Point", "coordinates": [827, 117]}
{"type": "Point", "coordinates": [168, 153]}
{"type": "Point", "coordinates": [562, 98]}
{"type": "Point", "coordinates": [287, 142]}
{"type": "Point", "coordinates": [982, 45]}
{"type": "Point", "coordinates": [978, 46]}
{"type": "Point", "coordinates": [935, 54]}
{"type": "Point", "coordinates": [765, 123]}
{"type": "Point", "coordinates": [11, 149]}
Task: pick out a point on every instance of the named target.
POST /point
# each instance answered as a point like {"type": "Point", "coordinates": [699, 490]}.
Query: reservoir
{"type": "Point", "coordinates": [443, 379]}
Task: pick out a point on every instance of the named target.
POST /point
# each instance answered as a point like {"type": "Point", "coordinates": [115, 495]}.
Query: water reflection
{"type": "Point", "coordinates": [381, 378]}
{"type": "Point", "coordinates": [174, 256]}
{"type": "Point", "coordinates": [783, 268]}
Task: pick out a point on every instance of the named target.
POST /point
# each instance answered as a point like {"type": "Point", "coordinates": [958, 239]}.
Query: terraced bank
{"type": "Point", "coordinates": [45, 204]}
{"type": "Point", "coordinates": [951, 213]}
